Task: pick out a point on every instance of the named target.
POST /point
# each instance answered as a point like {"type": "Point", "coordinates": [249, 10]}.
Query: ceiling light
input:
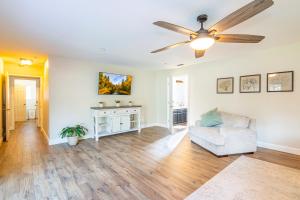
{"type": "Point", "coordinates": [25, 62]}
{"type": "Point", "coordinates": [202, 43]}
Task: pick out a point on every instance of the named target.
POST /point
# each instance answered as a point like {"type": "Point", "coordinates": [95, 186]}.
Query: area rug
{"type": "Point", "coordinates": [251, 179]}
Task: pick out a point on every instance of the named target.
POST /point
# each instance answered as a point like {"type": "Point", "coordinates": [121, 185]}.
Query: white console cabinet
{"type": "Point", "coordinates": [114, 120]}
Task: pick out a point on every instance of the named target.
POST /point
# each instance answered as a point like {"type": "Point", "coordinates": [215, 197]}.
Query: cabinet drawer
{"type": "Point", "coordinates": [121, 111]}
{"type": "Point", "coordinates": [134, 110]}
{"type": "Point", "coordinates": [103, 112]}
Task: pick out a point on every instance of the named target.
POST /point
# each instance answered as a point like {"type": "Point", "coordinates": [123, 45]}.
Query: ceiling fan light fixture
{"type": "Point", "coordinates": [202, 43]}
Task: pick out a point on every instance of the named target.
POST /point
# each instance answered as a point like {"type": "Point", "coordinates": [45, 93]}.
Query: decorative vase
{"type": "Point", "coordinates": [117, 104]}
{"type": "Point", "coordinates": [101, 104]}
{"type": "Point", "coordinates": [72, 141]}
{"type": "Point", "coordinates": [130, 103]}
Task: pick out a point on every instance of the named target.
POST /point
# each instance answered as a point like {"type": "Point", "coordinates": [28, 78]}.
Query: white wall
{"type": "Point", "coordinates": [45, 101]}
{"type": "Point", "coordinates": [277, 114]}
{"type": "Point", "coordinates": [73, 86]}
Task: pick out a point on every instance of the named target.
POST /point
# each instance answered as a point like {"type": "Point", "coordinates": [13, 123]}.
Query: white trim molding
{"type": "Point", "coordinates": [44, 134]}
{"type": "Point", "coordinates": [277, 147]}
{"type": "Point", "coordinates": [155, 124]}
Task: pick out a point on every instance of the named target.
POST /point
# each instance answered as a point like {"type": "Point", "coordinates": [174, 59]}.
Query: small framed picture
{"type": "Point", "coordinates": [225, 85]}
{"type": "Point", "coordinates": [280, 81]}
{"type": "Point", "coordinates": [250, 83]}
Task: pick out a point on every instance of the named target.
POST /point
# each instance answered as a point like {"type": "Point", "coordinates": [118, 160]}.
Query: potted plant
{"type": "Point", "coordinates": [73, 133]}
{"type": "Point", "coordinates": [117, 103]}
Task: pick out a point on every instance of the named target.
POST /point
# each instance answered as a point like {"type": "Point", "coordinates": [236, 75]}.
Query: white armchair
{"type": "Point", "coordinates": [236, 135]}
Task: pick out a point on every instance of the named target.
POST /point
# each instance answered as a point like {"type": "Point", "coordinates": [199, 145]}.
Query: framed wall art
{"type": "Point", "coordinates": [250, 83]}
{"type": "Point", "coordinates": [280, 81]}
{"type": "Point", "coordinates": [225, 85]}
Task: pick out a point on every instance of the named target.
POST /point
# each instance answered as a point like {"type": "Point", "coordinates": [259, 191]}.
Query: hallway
{"type": "Point", "coordinates": [18, 159]}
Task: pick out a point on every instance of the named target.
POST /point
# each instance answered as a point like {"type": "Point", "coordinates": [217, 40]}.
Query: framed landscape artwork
{"type": "Point", "coordinates": [280, 81]}
{"type": "Point", "coordinates": [250, 83]}
{"type": "Point", "coordinates": [225, 85]}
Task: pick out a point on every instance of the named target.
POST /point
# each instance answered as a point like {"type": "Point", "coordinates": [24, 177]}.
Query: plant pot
{"type": "Point", "coordinates": [101, 105]}
{"type": "Point", "coordinates": [117, 104]}
{"type": "Point", "coordinates": [130, 103]}
{"type": "Point", "coordinates": [73, 140]}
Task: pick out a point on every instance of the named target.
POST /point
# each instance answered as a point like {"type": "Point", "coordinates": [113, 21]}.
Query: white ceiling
{"type": "Point", "coordinates": [121, 32]}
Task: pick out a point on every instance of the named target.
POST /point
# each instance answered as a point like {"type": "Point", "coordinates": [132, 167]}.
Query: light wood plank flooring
{"type": "Point", "coordinates": [127, 166]}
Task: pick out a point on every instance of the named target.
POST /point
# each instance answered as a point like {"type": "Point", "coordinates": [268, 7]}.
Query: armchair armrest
{"type": "Point", "coordinates": [239, 140]}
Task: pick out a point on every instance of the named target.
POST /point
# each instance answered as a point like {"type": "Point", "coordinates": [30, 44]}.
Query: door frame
{"type": "Point", "coordinates": [170, 99]}
{"type": "Point", "coordinates": [11, 77]}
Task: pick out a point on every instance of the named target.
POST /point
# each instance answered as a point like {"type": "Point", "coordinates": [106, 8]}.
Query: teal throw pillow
{"type": "Point", "coordinates": [211, 118]}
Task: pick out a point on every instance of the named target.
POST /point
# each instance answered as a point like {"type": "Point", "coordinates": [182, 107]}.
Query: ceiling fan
{"type": "Point", "coordinates": [204, 38]}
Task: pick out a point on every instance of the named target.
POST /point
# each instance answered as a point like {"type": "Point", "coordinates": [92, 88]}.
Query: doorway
{"type": "Point", "coordinates": [22, 97]}
{"type": "Point", "coordinates": [25, 100]}
{"type": "Point", "coordinates": [178, 103]}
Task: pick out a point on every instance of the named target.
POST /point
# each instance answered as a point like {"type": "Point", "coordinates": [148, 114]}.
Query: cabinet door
{"type": "Point", "coordinates": [116, 124]}
{"type": "Point", "coordinates": [125, 123]}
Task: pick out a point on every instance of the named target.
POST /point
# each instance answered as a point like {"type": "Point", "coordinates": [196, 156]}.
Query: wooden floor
{"type": "Point", "coordinates": [128, 166]}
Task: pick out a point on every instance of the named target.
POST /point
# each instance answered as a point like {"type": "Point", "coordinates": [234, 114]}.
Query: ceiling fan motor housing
{"type": "Point", "coordinates": [202, 18]}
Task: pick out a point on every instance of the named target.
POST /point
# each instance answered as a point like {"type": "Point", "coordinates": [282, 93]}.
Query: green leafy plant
{"type": "Point", "coordinates": [117, 101]}
{"type": "Point", "coordinates": [77, 130]}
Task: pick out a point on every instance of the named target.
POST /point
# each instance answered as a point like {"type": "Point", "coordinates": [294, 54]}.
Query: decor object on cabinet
{"type": "Point", "coordinates": [101, 104]}
{"type": "Point", "coordinates": [118, 103]}
{"type": "Point", "coordinates": [225, 85]}
{"type": "Point", "coordinates": [73, 133]}
{"type": "Point", "coordinates": [112, 120]}
{"type": "Point", "coordinates": [250, 83]}
{"type": "Point", "coordinates": [130, 103]}
{"type": "Point", "coordinates": [280, 81]}
{"type": "Point", "coordinates": [114, 84]}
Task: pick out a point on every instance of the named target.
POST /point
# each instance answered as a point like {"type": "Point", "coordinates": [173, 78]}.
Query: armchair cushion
{"type": "Point", "coordinates": [235, 132]}
{"type": "Point", "coordinates": [234, 121]}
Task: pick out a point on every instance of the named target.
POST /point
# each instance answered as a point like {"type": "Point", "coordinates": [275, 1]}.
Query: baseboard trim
{"type": "Point", "coordinates": [277, 147]}
{"type": "Point", "coordinates": [45, 134]}
{"type": "Point", "coordinates": [155, 124]}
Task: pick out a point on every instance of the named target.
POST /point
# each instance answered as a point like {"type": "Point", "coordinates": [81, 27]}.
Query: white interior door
{"type": "Point", "coordinates": [20, 103]}
{"type": "Point", "coordinates": [38, 104]}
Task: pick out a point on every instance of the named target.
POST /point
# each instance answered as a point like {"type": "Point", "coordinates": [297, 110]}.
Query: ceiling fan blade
{"type": "Point", "coordinates": [199, 53]}
{"type": "Point", "coordinates": [175, 28]}
{"type": "Point", "coordinates": [171, 46]}
{"type": "Point", "coordinates": [241, 15]}
{"type": "Point", "coordinates": [239, 38]}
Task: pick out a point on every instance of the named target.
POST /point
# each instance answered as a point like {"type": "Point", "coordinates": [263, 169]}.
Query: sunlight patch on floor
{"type": "Point", "coordinates": [166, 145]}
